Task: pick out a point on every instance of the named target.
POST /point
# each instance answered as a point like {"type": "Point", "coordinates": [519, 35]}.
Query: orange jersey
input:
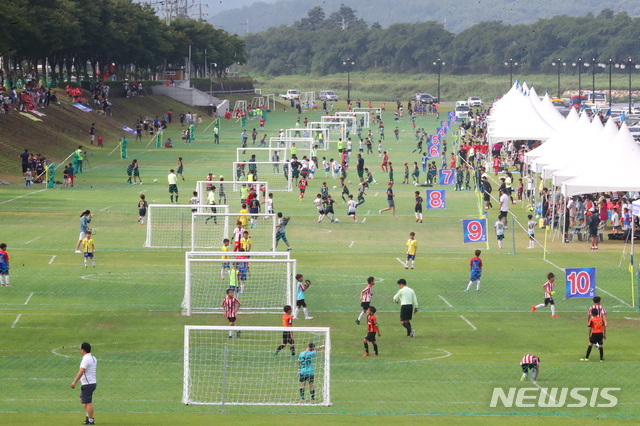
{"type": "Point", "coordinates": [372, 323]}
{"type": "Point", "coordinates": [287, 320]}
{"type": "Point", "coordinates": [596, 324]}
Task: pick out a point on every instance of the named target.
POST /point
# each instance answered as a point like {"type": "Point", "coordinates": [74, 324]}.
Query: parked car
{"type": "Point", "coordinates": [328, 95]}
{"type": "Point", "coordinates": [474, 101]}
{"type": "Point", "coordinates": [424, 99]}
{"type": "Point", "coordinates": [291, 95]}
{"type": "Point", "coordinates": [462, 110]}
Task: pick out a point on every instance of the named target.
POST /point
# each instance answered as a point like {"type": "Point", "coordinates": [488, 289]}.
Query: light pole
{"type": "Point", "coordinates": [610, 100]}
{"type": "Point", "coordinates": [631, 66]}
{"type": "Point", "coordinates": [559, 64]}
{"type": "Point", "coordinates": [510, 64]}
{"type": "Point", "coordinates": [348, 63]}
{"type": "Point", "coordinates": [214, 65]}
{"type": "Point", "coordinates": [593, 80]}
{"type": "Point", "coordinates": [579, 64]}
{"type": "Point", "coordinates": [439, 63]}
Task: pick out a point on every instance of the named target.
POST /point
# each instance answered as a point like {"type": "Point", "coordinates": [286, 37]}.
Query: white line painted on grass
{"type": "Point", "coordinates": [364, 220]}
{"type": "Point", "coordinates": [368, 211]}
{"type": "Point", "coordinates": [28, 298]}
{"type": "Point", "coordinates": [54, 351]}
{"type": "Point", "coordinates": [30, 241]}
{"type": "Point", "coordinates": [553, 264]}
{"type": "Point", "coordinates": [543, 391]}
{"type": "Point", "coordinates": [401, 262]}
{"type": "Point", "coordinates": [52, 259]}
{"type": "Point", "coordinates": [24, 195]}
{"type": "Point", "coordinates": [469, 322]}
{"type": "Point", "coordinates": [351, 245]}
{"type": "Point", "coordinates": [16, 321]}
{"type": "Point", "coordinates": [445, 301]}
{"type": "Point", "coordinates": [101, 210]}
{"type": "Point", "coordinates": [445, 355]}
{"type": "Point", "coordinates": [634, 319]}
{"type": "Point", "coordinates": [376, 194]}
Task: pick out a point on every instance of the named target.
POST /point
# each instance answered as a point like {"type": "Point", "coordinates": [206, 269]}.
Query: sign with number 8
{"type": "Point", "coordinates": [436, 199]}
{"type": "Point", "coordinates": [475, 230]}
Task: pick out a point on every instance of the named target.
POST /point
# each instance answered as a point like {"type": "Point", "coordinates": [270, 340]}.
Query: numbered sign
{"type": "Point", "coordinates": [581, 282]}
{"type": "Point", "coordinates": [442, 132]}
{"type": "Point", "coordinates": [435, 199]}
{"type": "Point", "coordinates": [434, 139]}
{"type": "Point", "coordinates": [447, 176]}
{"type": "Point", "coordinates": [451, 114]}
{"type": "Point", "coordinates": [475, 230]}
{"type": "Point", "coordinates": [454, 119]}
{"type": "Point", "coordinates": [434, 150]}
{"type": "Point", "coordinates": [444, 125]}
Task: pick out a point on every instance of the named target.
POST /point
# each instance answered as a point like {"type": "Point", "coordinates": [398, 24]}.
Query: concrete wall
{"type": "Point", "coordinates": [190, 96]}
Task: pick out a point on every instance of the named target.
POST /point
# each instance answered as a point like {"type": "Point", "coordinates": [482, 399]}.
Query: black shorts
{"type": "Point", "coordinates": [596, 338]}
{"type": "Point", "coordinates": [406, 312]}
{"type": "Point", "coordinates": [142, 212]}
{"type": "Point", "coordinates": [86, 393]}
{"type": "Point", "coordinates": [231, 319]}
{"type": "Point", "coordinates": [487, 197]}
{"type": "Point", "coordinates": [549, 301]}
{"type": "Point", "coordinates": [504, 213]}
{"type": "Point", "coordinates": [173, 188]}
{"type": "Point", "coordinates": [287, 338]}
{"type": "Point", "coordinates": [527, 367]}
{"type": "Point", "coordinates": [418, 209]}
{"type": "Point", "coordinates": [301, 303]}
{"type": "Point", "coordinates": [371, 336]}
{"type": "Point", "coordinates": [307, 378]}
{"type": "Point", "coordinates": [365, 305]}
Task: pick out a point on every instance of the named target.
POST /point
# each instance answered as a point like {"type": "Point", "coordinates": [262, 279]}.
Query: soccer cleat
{"type": "Point", "coordinates": [89, 422]}
{"type": "Point", "coordinates": [420, 220]}
{"type": "Point", "coordinates": [301, 399]}
{"type": "Point", "coordinates": [584, 359]}
{"type": "Point", "coordinates": [289, 249]}
{"type": "Point", "coordinates": [78, 251]}
{"type": "Point", "coordinates": [308, 317]}
{"type": "Point", "coordinates": [406, 267]}
{"type": "Point", "coordinates": [229, 337]}
{"type": "Point", "coordinates": [554, 316]}
{"type": "Point", "coordinates": [413, 332]}
{"type": "Point", "coordinates": [366, 354]}
{"type": "Point", "coordinates": [602, 360]}
{"type": "Point", "coordinates": [358, 321]}
{"type": "Point", "coordinates": [533, 308]}
{"type": "Point", "coordinates": [275, 352]}
{"type": "Point", "coordinates": [522, 378]}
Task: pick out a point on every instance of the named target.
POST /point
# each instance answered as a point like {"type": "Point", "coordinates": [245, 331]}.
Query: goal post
{"type": "Point", "coordinates": [267, 281]}
{"type": "Point", "coordinates": [277, 173]}
{"type": "Point", "coordinates": [208, 230]}
{"type": "Point", "coordinates": [230, 192]}
{"type": "Point", "coordinates": [243, 370]}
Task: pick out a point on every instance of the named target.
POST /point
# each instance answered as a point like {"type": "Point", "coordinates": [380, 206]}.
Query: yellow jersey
{"type": "Point", "coordinates": [87, 245]}
{"type": "Point", "coordinates": [244, 219]}
{"type": "Point", "coordinates": [412, 246]}
{"type": "Point", "coordinates": [225, 249]}
{"type": "Point", "coordinates": [245, 243]}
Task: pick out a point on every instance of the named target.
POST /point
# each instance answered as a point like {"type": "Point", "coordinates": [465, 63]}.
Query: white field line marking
{"type": "Point", "coordinates": [30, 241]}
{"type": "Point", "coordinates": [401, 262]}
{"type": "Point", "coordinates": [446, 354]}
{"type": "Point", "coordinates": [16, 321]}
{"type": "Point", "coordinates": [364, 220]}
{"type": "Point", "coordinates": [24, 195]}
{"type": "Point", "coordinates": [53, 351]}
{"type": "Point", "coordinates": [52, 259]}
{"type": "Point", "coordinates": [629, 318]}
{"type": "Point", "coordinates": [553, 264]}
{"type": "Point", "coordinates": [469, 322]}
{"type": "Point", "coordinates": [351, 245]}
{"type": "Point", "coordinates": [376, 194]}
{"type": "Point", "coordinates": [101, 210]}
{"type": "Point", "coordinates": [543, 391]}
{"type": "Point", "coordinates": [368, 211]}
{"type": "Point", "coordinates": [445, 301]}
{"type": "Point", "coordinates": [28, 298]}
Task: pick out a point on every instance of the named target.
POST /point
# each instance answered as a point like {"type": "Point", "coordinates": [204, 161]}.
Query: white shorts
{"type": "Point", "coordinates": [82, 235]}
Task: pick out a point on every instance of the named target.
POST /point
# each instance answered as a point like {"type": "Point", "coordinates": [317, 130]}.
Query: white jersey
{"type": "Point", "coordinates": [318, 203]}
{"type": "Point", "coordinates": [499, 228]}
{"type": "Point", "coordinates": [325, 164]}
{"type": "Point", "coordinates": [269, 205]}
{"type": "Point", "coordinates": [504, 203]}
{"type": "Point", "coordinates": [89, 363]}
{"type": "Point", "coordinates": [351, 206]}
{"type": "Point", "coordinates": [237, 234]}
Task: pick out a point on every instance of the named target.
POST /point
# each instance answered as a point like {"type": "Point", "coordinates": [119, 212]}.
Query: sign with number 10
{"type": "Point", "coordinates": [475, 230]}
{"type": "Point", "coordinates": [447, 176]}
{"type": "Point", "coordinates": [435, 199]}
{"type": "Point", "coordinates": [581, 282]}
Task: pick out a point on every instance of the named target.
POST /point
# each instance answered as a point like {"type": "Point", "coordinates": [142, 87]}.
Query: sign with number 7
{"type": "Point", "coordinates": [447, 176]}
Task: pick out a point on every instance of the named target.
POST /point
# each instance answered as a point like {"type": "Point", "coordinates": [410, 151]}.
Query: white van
{"type": "Point", "coordinates": [328, 95]}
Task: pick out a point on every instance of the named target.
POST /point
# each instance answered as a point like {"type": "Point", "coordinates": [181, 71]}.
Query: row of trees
{"type": "Point", "coordinates": [77, 35]}
{"type": "Point", "coordinates": [320, 44]}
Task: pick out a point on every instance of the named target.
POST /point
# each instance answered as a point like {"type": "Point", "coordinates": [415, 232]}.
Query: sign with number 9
{"type": "Point", "coordinates": [475, 230]}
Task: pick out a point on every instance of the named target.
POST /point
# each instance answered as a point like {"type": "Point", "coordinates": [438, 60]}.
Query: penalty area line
{"type": "Point", "coordinates": [445, 301]}
{"type": "Point", "coordinates": [26, 302]}
{"type": "Point", "coordinates": [17, 198]}
{"type": "Point", "coordinates": [469, 322]}
{"type": "Point", "coordinates": [16, 321]}
{"type": "Point", "coordinates": [401, 262]}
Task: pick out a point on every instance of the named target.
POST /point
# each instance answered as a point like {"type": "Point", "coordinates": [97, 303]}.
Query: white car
{"type": "Point", "coordinates": [474, 101]}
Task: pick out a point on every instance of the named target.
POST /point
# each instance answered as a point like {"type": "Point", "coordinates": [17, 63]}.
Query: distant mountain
{"type": "Point", "coordinates": [456, 15]}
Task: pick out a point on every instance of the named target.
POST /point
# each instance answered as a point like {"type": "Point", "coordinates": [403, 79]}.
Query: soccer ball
{"type": "Point", "coordinates": [155, 180]}
{"type": "Point", "coordinates": [334, 187]}
{"type": "Point", "coordinates": [349, 182]}
{"type": "Point", "coordinates": [416, 184]}
{"type": "Point", "coordinates": [336, 220]}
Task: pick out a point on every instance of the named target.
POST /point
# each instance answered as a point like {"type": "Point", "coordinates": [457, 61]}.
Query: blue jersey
{"type": "Point", "coordinates": [306, 362]}
{"type": "Point", "coordinates": [300, 292]}
{"type": "Point", "coordinates": [476, 264]}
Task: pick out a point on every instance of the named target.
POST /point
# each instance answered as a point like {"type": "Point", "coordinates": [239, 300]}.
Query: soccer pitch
{"type": "Point", "coordinates": [467, 344]}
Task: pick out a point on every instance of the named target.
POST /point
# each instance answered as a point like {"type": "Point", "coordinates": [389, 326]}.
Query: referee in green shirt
{"type": "Point", "coordinates": [408, 305]}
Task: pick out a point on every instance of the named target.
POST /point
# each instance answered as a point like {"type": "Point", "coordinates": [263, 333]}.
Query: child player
{"type": "Point", "coordinates": [225, 265]}
{"type": "Point", "coordinates": [418, 207]}
{"type": "Point", "coordinates": [597, 334]}
{"type": "Point", "coordinates": [531, 227]}
{"type": "Point", "coordinates": [530, 363]}
{"type": "Point", "coordinates": [372, 329]}
{"type": "Point", "coordinates": [476, 271]}
{"type": "Point", "coordinates": [88, 248]}
{"type": "Point", "coordinates": [351, 208]}
{"type": "Point", "coordinates": [499, 227]}
{"type": "Point", "coordinates": [230, 307]}
{"type": "Point", "coordinates": [412, 248]}
{"type": "Point", "coordinates": [242, 268]}
{"type": "Point", "coordinates": [301, 288]}
{"type": "Point", "coordinates": [238, 232]}
{"type": "Point", "coordinates": [307, 373]}
{"type": "Point", "coordinates": [548, 295]}
{"type": "Point", "coordinates": [365, 298]}
{"type": "Point", "coordinates": [287, 336]}
{"type": "Point", "coordinates": [142, 209]}
{"type": "Point", "coordinates": [302, 184]}
{"type": "Point", "coordinates": [4, 265]}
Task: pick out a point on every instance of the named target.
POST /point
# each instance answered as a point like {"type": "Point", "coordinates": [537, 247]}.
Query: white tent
{"type": "Point", "coordinates": [546, 110]}
{"type": "Point", "coordinates": [555, 140]}
{"type": "Point", "coordinates": [616, 169]}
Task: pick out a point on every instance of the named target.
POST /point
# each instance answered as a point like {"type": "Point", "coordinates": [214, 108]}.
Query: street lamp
{"type": "Point", "coordinates": [439, 63]}
{"type": "Point", "coordinates": [559, 64]}
{"type": "Point", "coordinates": [631, 66]}
{"type": "Point", "coordinates": [579, 64]}
{"type": "Point", "coordinates": [211, 75]}
{"type": "Point", "coordinates": [348, 63]}
{"type": "Point", "coordinates": [604, 65]}
{"type": "Point", "coordinates": [593, 80]}
{"type": "Point", "coordinates": [510, 64]}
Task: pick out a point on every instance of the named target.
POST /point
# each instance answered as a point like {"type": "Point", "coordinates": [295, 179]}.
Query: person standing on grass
{"type": "Point", "coordinates": [412, 249]}
{"type": "Point", "coordinates": [142, 209]}
{"type": "Point", "coordinates": [136, 172]}
{"type": "Point", "coordinates": [602, 312]}
{"type": "Point", "coordinates": [499, 227]}
{"type": "Point", "coordinates": [230, 306]}
{"type": "Point", "coordinates": [172, 178]}
{"type": "Point", "coordinates": [287, 336]}
{"type": "Point", "coordinates": [281, 231]}
{"type": "Point", "coordinates": [85, 220]}
{"type": "Point", "coordinates": [87, 377]}
{"type": "Point", "coordinates": [418, 207]}
{"type": "Point", "coordinates": [530, 363]}
{"type": "Point", "coordinates": [301, 287]}
{"type": "Point", "coordinates": [408, 301]}
{"type": "Point", "coordinates": [390, 201]}
{"type": "Point", "coordinates": [180, 167]}
{"type": "Point", "coordinates": [597, 334]}
{"type": "Point", "coordinates": [92, 132]}
{"type": "Point", "coordinates": [593, 222]}
{"type": "Point", "coordinates": [365, 298]}
{"type": "Point", "coordinates": [372, 329]}
{"type": "Point", "coordinates": [88, 250]}
{"type": "Point", "coordinates": [548, 295]}
{"type": "Point", "coordinates": [307, 374]}
{"type": "Point", "coordinates": [4, 266]}
{"type": "Point", "coordinates": [476, 271]}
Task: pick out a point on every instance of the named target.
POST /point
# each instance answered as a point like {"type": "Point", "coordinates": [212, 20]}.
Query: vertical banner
{"type": "Point", "coordinates": [434, 146]}
{"type": "Point", "coordinates": [474, 230]}
{"type": "Point", "coordinates": [442, 132]}
{"type": "Point", "coordinates": [454, 119]}
{"type": "Point", "coordinates": [447, 176]}
{"type": "Point", "coordinates": [581, 282]}
{"type": "Point", "coordinates": [451, 115]}
{"type": "Point", "coordinates": [444, 125]}
{"type": "Point", "coordinates": [436, 199]}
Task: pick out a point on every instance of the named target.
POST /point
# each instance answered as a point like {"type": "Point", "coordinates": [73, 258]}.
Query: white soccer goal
{"type": "Point", "coordinates": [334, 131]}
{"type": "Point", "coordinates": [267, 279]}
{"type": "Point", "coordinates": [257, 102]}
{"type": "Point", "coordinates": [244, 371]}
{"type": "Point", "coordinates": [169, 225]}
{"type": "Point", "coordinates": [277, 174]}
{"type": "Point", "coordinates": [264, 155]}
{"type": "Point", "coordinates": [239, 106]}
{"type": "Point", "coordinates": [362, 117]}
{"type": "Point", "coordinates": [230, 192]}
{"type": "Point", "coordinates": [208, 230]}
{"type": "Point", "coordinates": [351, 123]}
{"type": "Point", "coordinates": [270, 101]}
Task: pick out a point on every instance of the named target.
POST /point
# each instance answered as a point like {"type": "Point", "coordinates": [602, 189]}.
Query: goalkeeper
{"type": "Point", "coordinates": [307, 373]}
{"type": "Point", "coordinates": [548, 295]}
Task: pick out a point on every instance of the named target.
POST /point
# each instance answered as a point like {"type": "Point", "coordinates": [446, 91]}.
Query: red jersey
{"type": "Point", "coordinates": [287, 320]}
{"type": "Point", "coordinates": [365, 295]}
{"type": "Point", "coordinates": [530, 359]}
{"type": "Point", "coordinates": [596, 324]}
{"type": "Point", "coordinates": [372, 324]}
{"type": "Point", "coordinates": [548, 288]}
{"type": "Point", "coordinates": [303, 183]}
{"type": "Point", "coordinates": [230, 306]}
{"type": "Point", "coordinates": [601, 310]}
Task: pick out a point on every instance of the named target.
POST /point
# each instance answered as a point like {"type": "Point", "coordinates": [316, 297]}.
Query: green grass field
{"type": "Point", "coordinates": [129, 306]}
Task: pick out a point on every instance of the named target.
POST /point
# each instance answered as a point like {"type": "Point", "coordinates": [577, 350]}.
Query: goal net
{"type": "Point", "coordinates": [243, 370]}
{"type": "Point", "coordinates": [265, 280]}
{"type": "Point", "coordinates": [208, 230]}
{"type": "Point", "coordinates": [276, 173]}
{"type": "Point", "coordinates": [169, 225]}
{"type": "Point", "coordinates": [231, 193]}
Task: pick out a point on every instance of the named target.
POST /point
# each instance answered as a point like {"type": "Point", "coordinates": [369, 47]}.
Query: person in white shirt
{"type": "Point", "coordinates": [504, 206]}
{"type": "Point", "coordinates": [351, 208]}
{"type": "Point", "coordinates": [87, 377]}
{"type": "Point", "coordinates": [269, 203]}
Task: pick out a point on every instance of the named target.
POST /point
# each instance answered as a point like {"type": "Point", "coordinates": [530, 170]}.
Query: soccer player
{"type": "Point", "coordinates": [225, 265]}
{"type": "Point", "coordinates": [372, 329]}
{"type": "Point", "coordinates": [531, 229]}
{"type": "Point", "coordinates": [230, 307]}
{"type": "Point", "coordinates": [4, 265]}
{"type": "Point", "coordinates": [88, 248]}
{"type": "Point", "coordinates": [301, 287]}
{"type": "Point", "coordinates": [194, 201]}
{"type": "Point", "coordinates": [245, 241]}
{"type": "Point", "coordinates": [254, 210]}
{"type": "Point", "coordinates": [305, 364]}
{"type": "Point", "coordinates": [412, 248]}
{"type": "Point", "coordinates": [302, 184]}
{"type": "Point", "coordinates": [476, 271]}
{"type": "Point", "coordinates": [548, 295]}
{"type": "Point", "coordinates": [390, 201]}
{"type": "Point", "coordinates": [287, 336]}
{"type": "Point", "coordinates": [602, 312]}
{"type": "Point", "coordinates": [328, 208]}
{"type": "Point", "coordinates": [345, 189]}
{"type": "Point", "coordinates": [281, 230]}
{"type": "Point", "coordinates": [237, 235]}
{"type": "Point", "coordinates": [408, 305]}
{"type": "Point", "coordinates": [365, 298]}
{"type": "Point", "coordinates": [418, 207]}
{"type": "Point", "coordinates": [269, 203]}
{"type": "Point", "coordinates": [530, 363]}
{"type": "Point", "coordinates": [180, 169]}
{"type": "Point", "coordinates": [499, 227]}
{"type": "Point", "coordinates": [172, 178]}
{"type": "Point", "coordinates": [243, 215]}
{"type": "Point", "coordinates": [242, 268]}
{"type": "Point", "coordinates": [597, 333]}
{"type": "Point", "coordinates": [351, 208]}
{"type": "Point", "coordinates": [142, 209]}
